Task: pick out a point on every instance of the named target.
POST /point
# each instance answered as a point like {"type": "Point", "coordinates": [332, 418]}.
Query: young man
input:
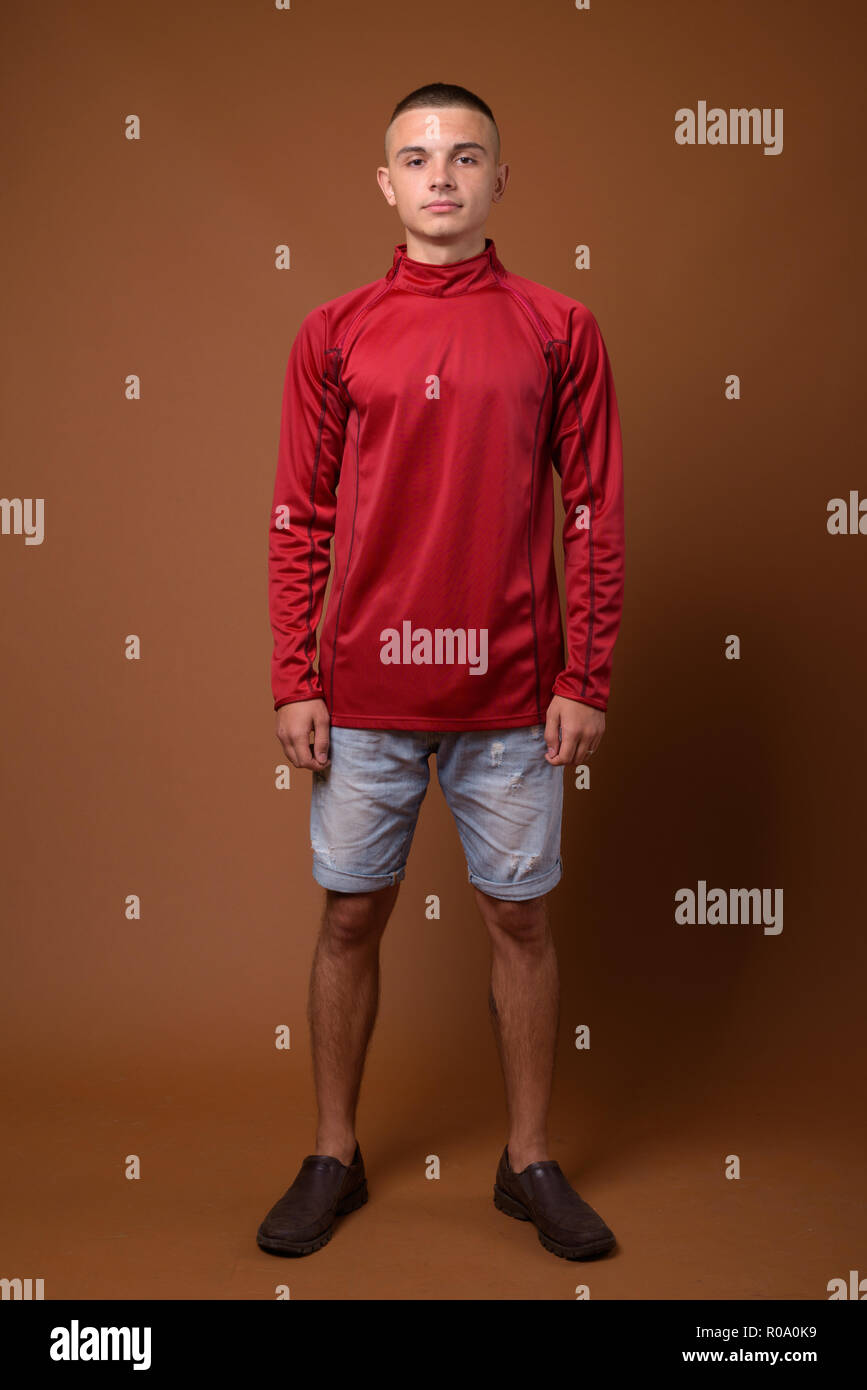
{"type": "Point", "coordinates": [438, 397]}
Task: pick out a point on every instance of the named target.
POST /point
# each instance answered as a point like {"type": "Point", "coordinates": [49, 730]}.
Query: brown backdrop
{"type": "Point", "coordinates": [157, 777]}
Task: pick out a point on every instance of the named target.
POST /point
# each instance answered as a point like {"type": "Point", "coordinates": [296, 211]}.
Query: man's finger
{"type": "Point", "coordinates": [298, 751]}
{"type": "Point", "coordinates": [552, 733]}
{"type": "Point", "coordinates": [567, 752]}
{"type": "Point", "coordinates": [306, 751]}
{"type": "Point", "coordinates": [321, 734]}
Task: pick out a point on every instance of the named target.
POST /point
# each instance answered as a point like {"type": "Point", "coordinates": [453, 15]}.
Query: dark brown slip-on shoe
{"type": "Point", "coordinates": [540, 1193]}
{"type": "Point", "coordinates": [303, 1219]}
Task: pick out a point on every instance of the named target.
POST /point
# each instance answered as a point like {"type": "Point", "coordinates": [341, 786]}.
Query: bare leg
{"type": "Point", "coordinates": [524, 1000]}
{"type": "Point", "coordinates": [342, 1007]}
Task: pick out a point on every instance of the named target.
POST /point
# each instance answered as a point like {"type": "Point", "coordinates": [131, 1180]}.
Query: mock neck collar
{"type": "Point", "coordinates": [456, 278]}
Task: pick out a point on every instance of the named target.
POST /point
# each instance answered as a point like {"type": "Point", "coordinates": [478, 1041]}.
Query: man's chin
{"type": "Point", "coordinates": [443, 227]}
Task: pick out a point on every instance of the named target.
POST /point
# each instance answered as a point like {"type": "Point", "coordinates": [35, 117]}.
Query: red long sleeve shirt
{"type": "Point", "coordinates": [421, 416]}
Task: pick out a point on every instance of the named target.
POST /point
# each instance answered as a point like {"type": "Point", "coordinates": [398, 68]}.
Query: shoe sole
{"type": "Point", "coordinates": [510, 1206]}
{"type": "Point", "coordinates": [352, 1202]}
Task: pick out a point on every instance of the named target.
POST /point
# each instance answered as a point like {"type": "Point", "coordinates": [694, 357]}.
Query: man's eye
{"type": "Point", "coordinates": [416, 159]}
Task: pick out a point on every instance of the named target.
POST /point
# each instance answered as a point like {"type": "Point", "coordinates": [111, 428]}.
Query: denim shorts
{"type": "Point", "coordinates": [506, 800]}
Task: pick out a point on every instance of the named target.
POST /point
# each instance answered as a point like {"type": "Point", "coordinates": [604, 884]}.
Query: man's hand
{"type": "Point", "coordinates": [294, 724]}
{"type": "Point", "coordinates": [572, 730]}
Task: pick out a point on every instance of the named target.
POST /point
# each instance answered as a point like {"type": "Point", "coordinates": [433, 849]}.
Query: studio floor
{"type": "Point", "coordinates": [216, 1153]}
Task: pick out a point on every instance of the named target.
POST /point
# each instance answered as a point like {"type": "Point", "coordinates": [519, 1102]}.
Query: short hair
{"type": "Point", "coordinates": [443, 94]}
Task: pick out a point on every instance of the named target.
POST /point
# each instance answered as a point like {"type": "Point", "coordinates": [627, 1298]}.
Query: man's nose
{"type": "Point", "coordinates": [440, 174]}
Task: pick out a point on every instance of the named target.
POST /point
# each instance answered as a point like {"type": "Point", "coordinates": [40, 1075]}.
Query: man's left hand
{"type": "Point", "coordinates": [572, 730]}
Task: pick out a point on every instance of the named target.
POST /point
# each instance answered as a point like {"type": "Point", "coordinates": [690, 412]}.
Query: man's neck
{"type": "Point", "coordinates": [440, 253]}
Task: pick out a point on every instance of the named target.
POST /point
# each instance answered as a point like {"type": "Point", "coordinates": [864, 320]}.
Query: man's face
{"type": "Point", "coordinates": [441, 175]}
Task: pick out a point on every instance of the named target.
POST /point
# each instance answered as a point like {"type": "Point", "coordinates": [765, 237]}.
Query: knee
{"type": "Point", "coordinates": [350, 919]}
{"type": "Point", "coordinates": [520, 922]}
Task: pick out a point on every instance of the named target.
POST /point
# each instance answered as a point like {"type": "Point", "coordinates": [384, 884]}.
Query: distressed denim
{"type": "Point", "coordinates": [506, 800]}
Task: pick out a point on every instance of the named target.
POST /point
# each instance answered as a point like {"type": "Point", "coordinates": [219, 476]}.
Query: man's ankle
{"type": "Point", "coordinates": [524, 1154]}
{"type": "Point", "coordinates": [341, 1148]}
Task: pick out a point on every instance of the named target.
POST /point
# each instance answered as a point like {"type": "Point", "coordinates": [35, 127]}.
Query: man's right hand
{"type": "Point", "coordinates": [294, 724]}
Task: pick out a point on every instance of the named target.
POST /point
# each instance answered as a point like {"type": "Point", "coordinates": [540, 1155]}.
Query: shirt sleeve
{"type": "Point", "coordinates": [586, 450]}
{"type": "Point", "coordinates": [303, 511]}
